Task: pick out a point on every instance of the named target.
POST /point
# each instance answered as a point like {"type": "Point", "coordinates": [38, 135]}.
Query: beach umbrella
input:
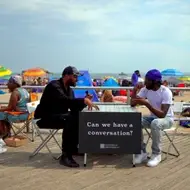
{"type": "Point", "coordinates": [185, 78]}
{"type": "Point", "coordinates": [4, 71]}
{"type": "Point", "coordinates": [171, 73]}
{"type": "Point", "coordinates": [34, 72]}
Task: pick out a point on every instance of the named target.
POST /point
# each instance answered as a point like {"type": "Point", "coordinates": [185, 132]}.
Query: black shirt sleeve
{"type": "Point", "coordinates": [80, 105]}
{"type": "Point", "coordinates": [60, 97]}
{"type": "Point", "coordinates": [56, 100]}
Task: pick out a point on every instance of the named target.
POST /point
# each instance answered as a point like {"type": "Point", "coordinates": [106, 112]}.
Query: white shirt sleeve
{"type": "Point", "coordinates": [167, 97]}
{"type": "Point", "coordinates": [142, 93]}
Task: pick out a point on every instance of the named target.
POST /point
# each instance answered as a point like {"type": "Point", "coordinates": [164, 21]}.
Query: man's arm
{"type": "Point", "coordinates": [77, 106]}
{"type": "Point", "coordinates": [61, 98]}
{"type": "Point", "coordinates": [166, 103]}
{"type": "Point", "coordinates": [159, 113]}
{"type": "Point", "coordinates": [140, 95]}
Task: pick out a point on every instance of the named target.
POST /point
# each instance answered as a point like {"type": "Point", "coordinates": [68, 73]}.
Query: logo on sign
{"type": "Point", "coordinates": [104, 146]}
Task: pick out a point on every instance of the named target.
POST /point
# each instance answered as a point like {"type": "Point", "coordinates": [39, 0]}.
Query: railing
{"type": "Point", "coordinates": [101, 88]}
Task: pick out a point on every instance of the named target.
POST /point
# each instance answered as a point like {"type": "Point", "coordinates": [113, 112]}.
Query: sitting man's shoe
{"type": "Point", "coordinates": [154, 160]}
{"type": "Point", "coordinates": [140, 158]}
{"type": "Point", "coordinates": [68, 161]}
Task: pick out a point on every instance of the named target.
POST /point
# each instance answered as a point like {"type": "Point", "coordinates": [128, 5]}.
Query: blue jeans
{"type": "Point", "coordinates": [156, 126]}
{"type": "Point", "coordinates": [13, 118]}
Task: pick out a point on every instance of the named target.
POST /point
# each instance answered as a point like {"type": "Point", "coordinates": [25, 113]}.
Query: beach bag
{"type": "Point", "coordinates": [185, 124]}
{"type": "Point", "coordinates": [185, 113]}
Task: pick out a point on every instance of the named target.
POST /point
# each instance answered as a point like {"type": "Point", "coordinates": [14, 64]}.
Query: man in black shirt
{"type": "Point", "coordinates": [53, 110]}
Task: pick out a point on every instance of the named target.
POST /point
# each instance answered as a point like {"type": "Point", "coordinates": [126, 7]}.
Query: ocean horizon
{"type": "Point", "coordinates": [102, 75]}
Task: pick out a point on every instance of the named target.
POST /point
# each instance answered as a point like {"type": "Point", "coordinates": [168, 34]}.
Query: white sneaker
{"type": "Point", "coordinates": [2, 150]}
{"type": "Point", "coordinates": [154, 160]}
{"type": "Point", "coordinates": [2, 143]}
{"type": "Point", "coordinates": [140, 158]}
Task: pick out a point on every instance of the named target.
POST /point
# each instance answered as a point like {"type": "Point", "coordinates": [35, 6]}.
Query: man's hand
{"type": "Point", "coordinates": [90, 105]}
{"type": "Point", "coordinates": [89, 96]}
{"type": "Point", "coordinates": [138, 86]}
{"type": "Point", "coordinates": [140, 101]}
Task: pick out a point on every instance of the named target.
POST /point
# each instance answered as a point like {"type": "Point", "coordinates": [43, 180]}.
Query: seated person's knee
{"type": "Point", "coordinates": [155, 124]}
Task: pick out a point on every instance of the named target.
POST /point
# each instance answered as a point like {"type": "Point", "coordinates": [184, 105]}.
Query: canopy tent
{"type": "Point", "coordinates": [85, 80]}
{"type": "Point", "coordinates": [172, 73]}
{"type": "Point", "coordinates": [4, 72]}
{"type": "Point", "coordinates": [110, 82]}
{"type": "Point", "coordinates": [34, 72]}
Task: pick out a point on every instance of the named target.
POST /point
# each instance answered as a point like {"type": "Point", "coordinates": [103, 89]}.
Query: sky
{"type": "Point", "coordinates": [101, 36]}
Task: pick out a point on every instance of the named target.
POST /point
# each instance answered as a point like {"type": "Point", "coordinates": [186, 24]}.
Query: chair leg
{"type": "Point", "coordinates": [171, 145]}
{"type": "Point", "coordinates": [44, 143]}
{"type": "Point", "coordinates": [21, 129]}
{"type": "Point", "coordinates": [57, 142]}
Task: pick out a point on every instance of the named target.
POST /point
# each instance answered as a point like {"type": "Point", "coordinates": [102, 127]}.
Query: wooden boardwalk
{"type": "Point", "coordinates": [108, 172]}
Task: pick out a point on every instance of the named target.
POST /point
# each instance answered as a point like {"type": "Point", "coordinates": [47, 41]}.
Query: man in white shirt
{"type": "Point", "coordinates": [158, 99]}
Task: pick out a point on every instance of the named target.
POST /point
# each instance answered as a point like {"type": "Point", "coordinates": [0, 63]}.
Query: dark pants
{"type": "Point", "coordinates": [69, 124]}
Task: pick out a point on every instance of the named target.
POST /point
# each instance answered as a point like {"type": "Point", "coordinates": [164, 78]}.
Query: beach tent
{"type": "Point", "coordinates": [85, 80]}
{"type": "Point", "coordinates": [110, 82]}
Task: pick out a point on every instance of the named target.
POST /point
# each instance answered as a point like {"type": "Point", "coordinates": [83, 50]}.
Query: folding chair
{"type": "Point", "coordinates": [177, 108]}
{"type": "Point", "coordinates": [23, 120]}
{"type": "Point", "coordinates": [51, 135]}
{"type": "Point", "coordinates": [19, 122]}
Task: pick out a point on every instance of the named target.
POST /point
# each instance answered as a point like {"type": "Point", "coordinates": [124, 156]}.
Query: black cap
{"type": "Point", "coordinates": [71, 71]}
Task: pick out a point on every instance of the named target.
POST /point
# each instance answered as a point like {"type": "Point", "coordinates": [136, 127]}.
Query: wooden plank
{"type": "Point", "coordinates": [103, 171]}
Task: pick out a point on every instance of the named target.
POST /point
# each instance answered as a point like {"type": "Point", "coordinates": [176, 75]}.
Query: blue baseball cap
{"type": "Point", "coordinates": [154, 74]}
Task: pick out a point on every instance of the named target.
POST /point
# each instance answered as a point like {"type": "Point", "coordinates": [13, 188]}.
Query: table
{"type": "Point", "coordinates": [114, 108]}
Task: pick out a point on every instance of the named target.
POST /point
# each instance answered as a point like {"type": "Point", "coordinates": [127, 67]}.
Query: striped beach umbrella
{"type": "Point", "coordinates": [5, 72]}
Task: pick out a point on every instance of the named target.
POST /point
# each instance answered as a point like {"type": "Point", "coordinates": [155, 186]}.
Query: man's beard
{"type": "Point", "coordinates": [71, 83]}
{"type": "Point", "coordinates": [151, 87]}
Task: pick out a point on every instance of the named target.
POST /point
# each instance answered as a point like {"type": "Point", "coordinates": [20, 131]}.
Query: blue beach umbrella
{"type": "Point", "coordinates": [172, 73]}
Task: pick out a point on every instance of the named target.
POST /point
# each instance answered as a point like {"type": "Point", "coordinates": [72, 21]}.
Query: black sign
{"type": "Point", "coordinates": [110, 132]}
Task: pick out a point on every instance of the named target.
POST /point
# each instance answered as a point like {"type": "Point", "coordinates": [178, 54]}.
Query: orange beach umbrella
{"type": "Point", "coordinates": [34, 72]}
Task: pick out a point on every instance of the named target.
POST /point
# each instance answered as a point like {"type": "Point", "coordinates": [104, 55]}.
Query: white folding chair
{"type": "Point", "coordinates": [51, 135]}
{"type": "Point", "coordinates": [177, 109]}
{"type": "Point", "coordinates": [31, 107]}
